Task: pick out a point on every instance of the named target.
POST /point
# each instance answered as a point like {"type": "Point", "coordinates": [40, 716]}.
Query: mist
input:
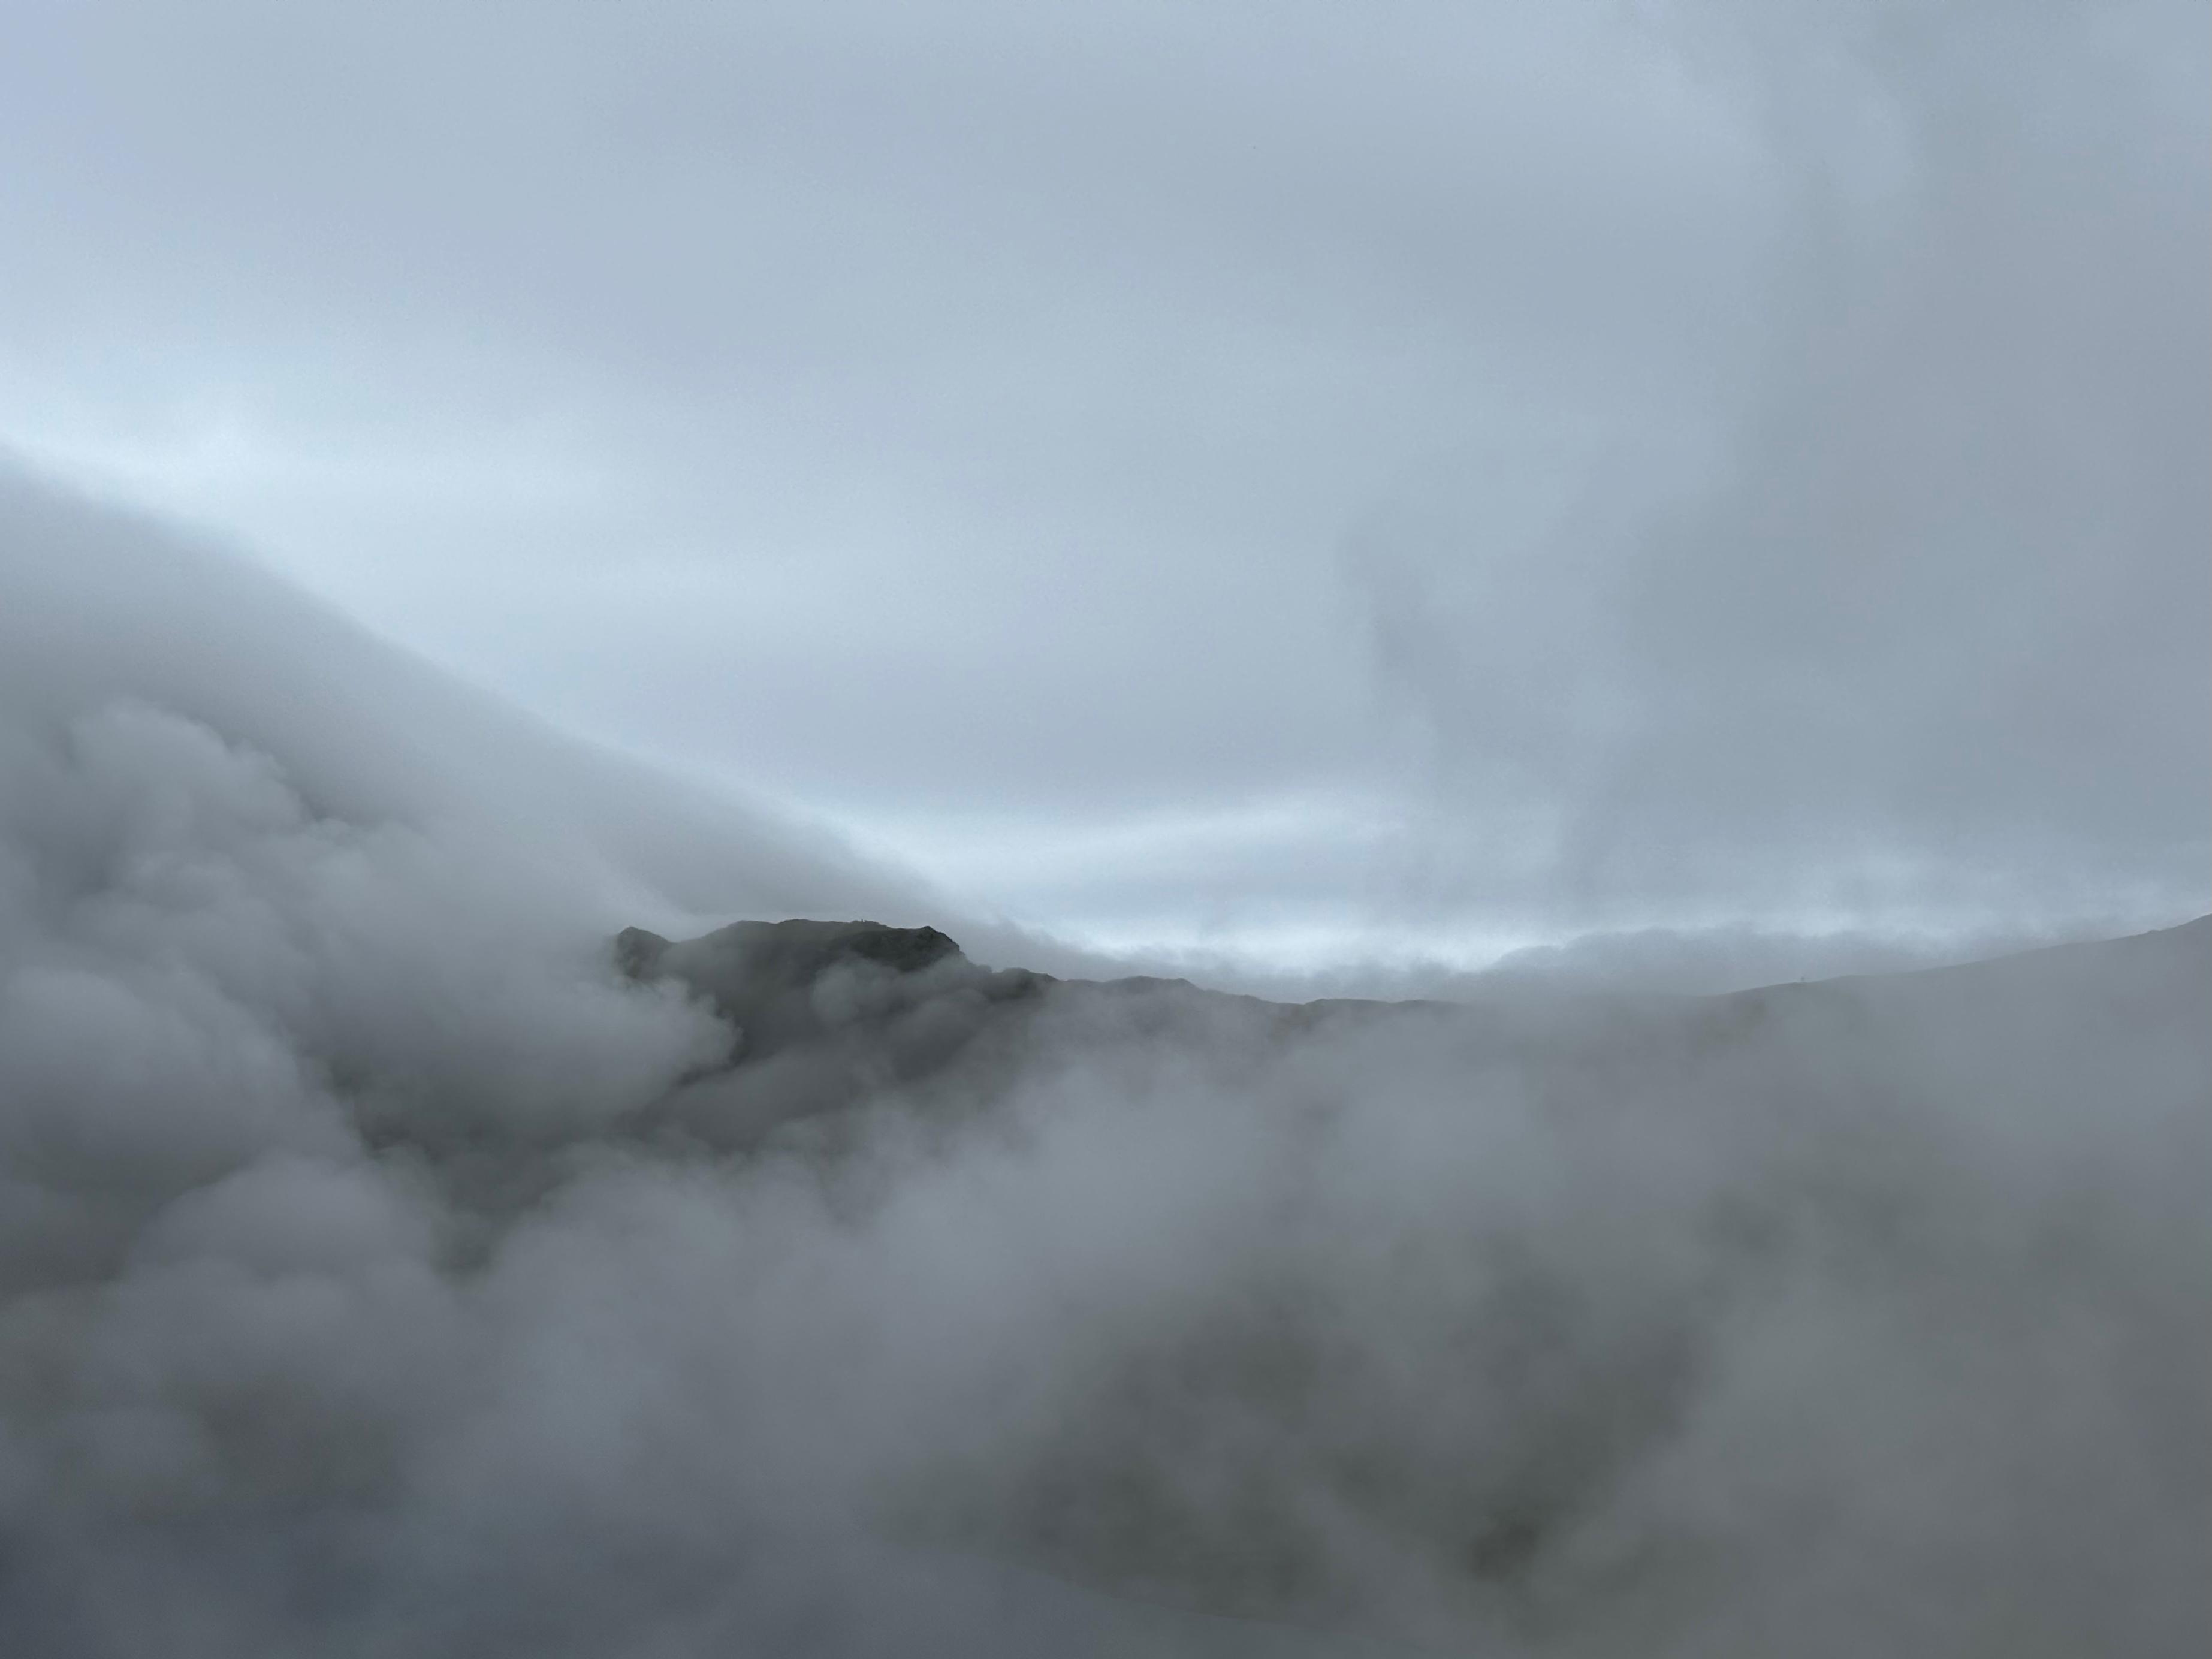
{"type": "Point", "coordinates": [382, 1274]}
{"type": "Point", "coordinates": [845, 831]}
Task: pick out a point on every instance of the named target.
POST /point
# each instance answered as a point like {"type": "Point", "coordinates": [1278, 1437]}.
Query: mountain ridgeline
{"type": "Point", "coordinates": [824, 1014]}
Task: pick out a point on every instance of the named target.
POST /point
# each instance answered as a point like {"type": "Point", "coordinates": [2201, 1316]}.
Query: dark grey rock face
{"type": "Point", "coordinates": [823, 1012]}
{"type": "Point", "coordinates": [748, 959]}
{"type": "Point", "coordinates": [782, 983]}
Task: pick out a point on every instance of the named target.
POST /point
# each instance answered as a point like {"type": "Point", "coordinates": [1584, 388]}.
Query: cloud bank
{"type": "Point", "coordinates": [359, 1295]}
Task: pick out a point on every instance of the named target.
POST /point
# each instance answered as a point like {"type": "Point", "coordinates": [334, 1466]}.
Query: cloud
{"type": "Point", "coordinates": [355, 1301]}
{"type": "Point", "coordinates": [1906, 634]}
{"type": "Point", "coordinates": [1764, 441]}
{"type": "Point", "coordinates": [903, 415]}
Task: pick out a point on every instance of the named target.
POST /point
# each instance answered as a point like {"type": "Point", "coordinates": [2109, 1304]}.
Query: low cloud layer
{"type": "Point", "coordinates": [359, 1294]}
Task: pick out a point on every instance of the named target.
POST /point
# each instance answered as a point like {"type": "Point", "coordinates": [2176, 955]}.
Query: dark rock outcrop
{"type": "Point", "coordinates": [822, 1013]}
{"type": "Point", "coordinates": [785, 983]}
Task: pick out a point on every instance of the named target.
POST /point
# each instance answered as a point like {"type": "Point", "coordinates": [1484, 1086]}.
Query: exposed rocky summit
{"type": "Point", "coordinates": [824, 1014]}
{"type": "Point", "coordinates": [785, 983]}
{"type": "Point", "coordinates": [821, 1012]}
{"type": "Point", "coordinates": [792, 950]}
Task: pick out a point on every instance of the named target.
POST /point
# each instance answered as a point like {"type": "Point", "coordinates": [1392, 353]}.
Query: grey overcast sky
{"type": "Point", "coordinates": [1300, 480]}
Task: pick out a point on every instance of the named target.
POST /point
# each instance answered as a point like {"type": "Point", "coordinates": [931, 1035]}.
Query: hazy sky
{"type": "Point", "coordinates": [1297, 479]}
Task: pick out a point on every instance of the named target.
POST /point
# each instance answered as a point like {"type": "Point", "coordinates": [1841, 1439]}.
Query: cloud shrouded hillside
{"type": "Point", "coordinates": [388, 1268]}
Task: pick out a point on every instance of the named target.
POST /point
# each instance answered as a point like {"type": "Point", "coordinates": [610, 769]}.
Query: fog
{"type": "Point", "coordinates": [383, 1274]}
{"type": "Point", "coordinates": [1547, 661]}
